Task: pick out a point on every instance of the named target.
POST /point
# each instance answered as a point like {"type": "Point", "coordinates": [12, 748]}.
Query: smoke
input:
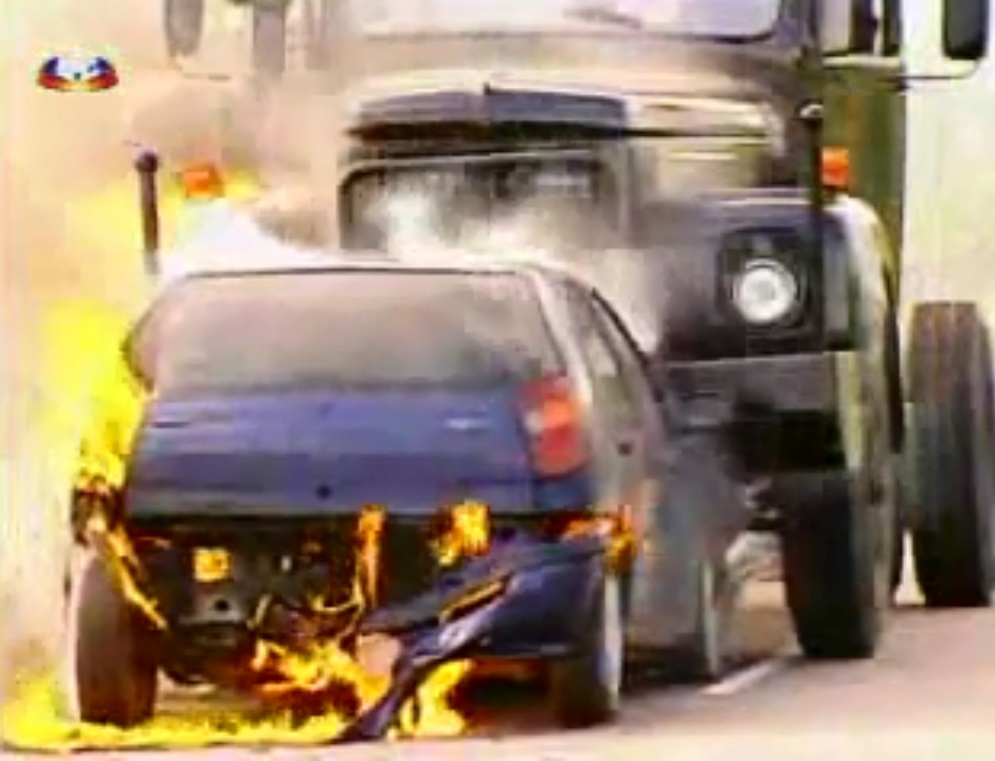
{"type": "Point", "coordinates": [419, 227]}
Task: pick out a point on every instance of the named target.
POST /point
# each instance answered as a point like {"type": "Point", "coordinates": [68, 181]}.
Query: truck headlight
{"type": "Point", "coordinates": [765, 292]}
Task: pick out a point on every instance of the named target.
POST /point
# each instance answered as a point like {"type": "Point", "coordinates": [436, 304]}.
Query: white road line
{"type": "Point", "coordinates": [748, 677]}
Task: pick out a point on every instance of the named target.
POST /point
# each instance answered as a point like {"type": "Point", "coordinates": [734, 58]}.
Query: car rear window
{"type": "Point", "coordinates": [365, 329]}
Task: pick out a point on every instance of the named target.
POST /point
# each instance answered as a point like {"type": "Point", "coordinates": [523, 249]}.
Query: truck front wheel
{"type": "Point", "coordinates": [953, 466]}
{"type": "Point", "coordinates": [832, 569]}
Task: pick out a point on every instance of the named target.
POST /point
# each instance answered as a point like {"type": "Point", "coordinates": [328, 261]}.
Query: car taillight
{"type": "Point", "coordinates": [553, 421]}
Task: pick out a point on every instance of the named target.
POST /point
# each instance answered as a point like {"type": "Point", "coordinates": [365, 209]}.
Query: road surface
{"type": "Point", "coordinates": [928, 695]}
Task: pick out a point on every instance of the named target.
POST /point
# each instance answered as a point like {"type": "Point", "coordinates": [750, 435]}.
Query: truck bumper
{"type": "Point", "coordinates": [797, 422]}
{"type": "Point", "coordinates": [780, 384]}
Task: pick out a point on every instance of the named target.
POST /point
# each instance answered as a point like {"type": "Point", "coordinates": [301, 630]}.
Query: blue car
{"type": "Point", "coordinates": [291, 411]}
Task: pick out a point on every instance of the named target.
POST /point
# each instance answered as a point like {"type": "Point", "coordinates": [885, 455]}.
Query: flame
{"type": "Point", "coordinates": [93, 410]}
{"type": "Point", "coordinates": [371, 523]}
{"type": "Point", "coordinates": [311, 693]}
{"type": "Point", "coordinates": [101, 405]}
{"type": "Point", "coordinates": [325, 680]}
{"type": "Point", "coordinates": [619, 530]}
{"type": "Point", "coordinates": [429, 712]}
{"type": "Point", "coordinates": [326, 665]}
{"type": "Point", "coordinates": [467, 535]}
{"type": "Point", "coordinates": [117, 553]}
{"type": "Point", "coordinates": [94, 404]}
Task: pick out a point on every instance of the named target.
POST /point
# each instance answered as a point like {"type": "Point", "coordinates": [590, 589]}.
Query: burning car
{"type": "Point", "coordinates": [345, 477]}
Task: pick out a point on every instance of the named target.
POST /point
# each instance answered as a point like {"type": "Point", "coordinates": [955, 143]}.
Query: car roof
{"type": "Point", "coordinates": [375, 261]}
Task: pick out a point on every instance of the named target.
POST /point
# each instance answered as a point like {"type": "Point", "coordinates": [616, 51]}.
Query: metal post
{"type": "Point", "coordinates": [811, 114]}
{"type": "Point", "coordinates": [147, 165]}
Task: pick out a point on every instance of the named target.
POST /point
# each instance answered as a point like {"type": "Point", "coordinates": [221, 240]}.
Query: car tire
{"type": "Point", "coordinates": [111, 663]}
{"type": "Point", "coordinates": [831, 572]}
{"type": "Point", "coordinates": [705, 655]}
{"type": "Point", "coordinates": [950, 376]}
{"type": "Point", "coordinates": [586, 689]}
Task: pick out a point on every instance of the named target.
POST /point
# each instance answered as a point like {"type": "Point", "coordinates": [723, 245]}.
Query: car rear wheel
{"type": "Point", "coordinates": [587, 688]}
{"type": "Point", "coordinates": [705, 656]}
{"type": "Point", "coordinates": [111, 664]}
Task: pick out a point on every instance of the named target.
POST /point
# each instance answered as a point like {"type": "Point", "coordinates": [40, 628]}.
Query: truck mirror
{"type": "Point", "coordinates": [836, 26]}
{"type": "Point", "coordinates": [183, 24]}
{"type": "Point", "coordinates": [269, 37]}
{"type": "Point", "coordinates": [965, 29]}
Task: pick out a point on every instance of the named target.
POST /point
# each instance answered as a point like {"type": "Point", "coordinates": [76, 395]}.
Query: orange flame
{"type": "Point", "coordinates": [333, 681]}
{"type": "Point", "coordinates": [467, 535]}
{"type": "Point", "coordinates": [371, 523]}
{"type": "Point", "coordinates": [617, 528]}
{"type": "Point", "coordinates": [355, 682]}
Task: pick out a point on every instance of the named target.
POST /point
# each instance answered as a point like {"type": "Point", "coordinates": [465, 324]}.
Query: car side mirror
{"type": "Point", "coordinates": [965, 29]}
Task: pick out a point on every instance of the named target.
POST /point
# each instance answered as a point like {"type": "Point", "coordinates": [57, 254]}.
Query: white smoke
{"type": "Point", "coordinates": [227, 238]}
{"type": "Point", "coordinates": [529, 233]}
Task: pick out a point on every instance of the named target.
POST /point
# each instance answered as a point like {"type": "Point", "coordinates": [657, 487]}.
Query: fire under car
{"type": "Point", "coordinates": [466, 462]}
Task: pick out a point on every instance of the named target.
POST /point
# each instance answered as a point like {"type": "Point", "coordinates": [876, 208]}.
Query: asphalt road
{"type": "Point", "coordinates": [928, 695]}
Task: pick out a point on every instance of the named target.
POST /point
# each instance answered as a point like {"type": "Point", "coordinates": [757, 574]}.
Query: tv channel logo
{"type": "Point", "coordinates": [77, 73]}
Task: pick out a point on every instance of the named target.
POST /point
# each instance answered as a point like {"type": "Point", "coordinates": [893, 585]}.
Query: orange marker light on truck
{"type": "Point", "coordinates": [202, 181]}
{"type": "Point", "coordinates": [836, 169]}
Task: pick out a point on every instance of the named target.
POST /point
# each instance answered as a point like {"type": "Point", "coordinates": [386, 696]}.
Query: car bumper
{"type": "Point", "coordinates": [539, 612]}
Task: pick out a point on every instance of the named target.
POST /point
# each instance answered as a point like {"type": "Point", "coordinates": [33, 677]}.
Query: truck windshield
{"type": "Point", "coordinates": [726, 19]}
{"type": "Point", "coordinates": [335, 329]}
{"type": "Point", "coordinates": [455, 203]}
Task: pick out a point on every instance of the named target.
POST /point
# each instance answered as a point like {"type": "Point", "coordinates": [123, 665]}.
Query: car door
{"type": "Point", "coordinates": [641, 436]}
{"type": "Point", "coordinates": [636, 435]}
{"type": "Point", "coordinates": [618, 412]}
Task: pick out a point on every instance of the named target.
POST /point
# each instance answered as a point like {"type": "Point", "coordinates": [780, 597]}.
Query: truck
{"type": "Point", "coordinates": [806, 229]}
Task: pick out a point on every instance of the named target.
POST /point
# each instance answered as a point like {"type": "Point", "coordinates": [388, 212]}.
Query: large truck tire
{"type": "Point", "coordinates": [112, 664]}
{"type": "Point", "coordinates": [835, 579]}
{"type": "Point", "coordinates": [183, 25]}
{"type": "Point", "coordinates": [953, 465]}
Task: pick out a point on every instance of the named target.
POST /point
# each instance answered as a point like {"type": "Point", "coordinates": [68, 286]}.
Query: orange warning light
{"type": "Point", "coordinates": [201, 181]}
{"type": "Point", "coordinates": [836, 168]}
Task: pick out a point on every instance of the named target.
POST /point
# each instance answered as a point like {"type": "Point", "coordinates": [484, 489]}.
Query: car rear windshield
{"type": "Point", "coordinates": [376, 329]}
